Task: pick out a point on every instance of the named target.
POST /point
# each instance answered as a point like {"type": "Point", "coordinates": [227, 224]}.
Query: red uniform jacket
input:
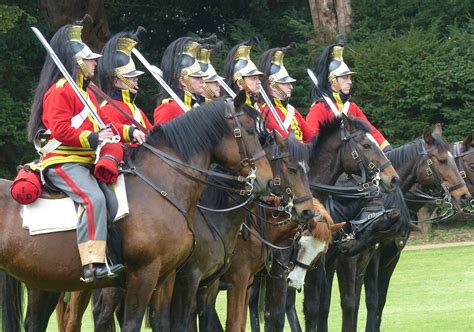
{"type": "Point", "coordinates": [320, 112]}
{"type": "Point", "coordinates": [119, 120]}
{"type": "Point", "coordinates": [169, 109]}
{"type": "Point", "coordinates": [297, 125]}
{"type": "Point", "coordinates": [60, 105]}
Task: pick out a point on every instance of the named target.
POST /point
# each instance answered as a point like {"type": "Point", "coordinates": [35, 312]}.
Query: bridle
{"type": "Point", "coordinates": [369, 186]}
{"type": "Point", "coordinates": [461, 164]}
{"type": "Point", "coordinates": [246, 159]}
{"type": "Point", "coordinates": [443, 198]}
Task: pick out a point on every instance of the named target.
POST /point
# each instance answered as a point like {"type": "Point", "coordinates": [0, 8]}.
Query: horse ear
{"type": "Point", "coordinates": [347, 122]}
{"type": "Point", "coordinates": [438, 129]}
{"type": "Point", "coordinates": [278, 137]}
{"type": "Point", "coordinates": [467, 143]}
{"type": "Point", "coordinates": [427, 136]}
{"type": "Point", "coordinates": [239, 100]}
{"type": "Point", "coordinates": [337, 227]}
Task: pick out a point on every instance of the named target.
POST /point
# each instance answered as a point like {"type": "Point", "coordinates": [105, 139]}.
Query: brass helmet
{"type": "Point", "coordinates": [271, 64]}
{"type": "Point", "coordinates": [243, 65]}
{"type": "Point", "coordinates": [330, 66]}
{"type": "Point", "coordinates": [117, 59]}
{"type": "Point", "coordinates": [189, 66]}
{"type": "Point", "coordinates": [78, 48]}
{"type": "Point", "coordinates": [204, 59]}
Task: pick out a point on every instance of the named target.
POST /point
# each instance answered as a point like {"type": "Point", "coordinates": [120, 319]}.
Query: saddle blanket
{"type": "Point", "coordinates": [59, 215]}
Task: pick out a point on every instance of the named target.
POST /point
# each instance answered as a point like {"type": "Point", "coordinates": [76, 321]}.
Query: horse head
{"type": "Point", "coordinates": [312, 244]}
{"type": "Point", "coordinates": [365, 154]}
{"type": "Point", "coordinates": [466, 164]}
{"type": "Point", "coordinates": [437, 168]}
{"type": "Point", "coordinates": [289, 161]}
{"type": "Point", "coordinates": [243, 151]}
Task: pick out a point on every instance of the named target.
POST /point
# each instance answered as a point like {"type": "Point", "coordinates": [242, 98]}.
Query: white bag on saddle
{"type": "Point", "coordinates": [58, 215]}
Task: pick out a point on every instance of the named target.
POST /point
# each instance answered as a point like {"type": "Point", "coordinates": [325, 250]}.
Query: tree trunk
{"type": "Point", "coordinates": [331, 17]}
{"type": "Point", "coordinates": [95, 34]}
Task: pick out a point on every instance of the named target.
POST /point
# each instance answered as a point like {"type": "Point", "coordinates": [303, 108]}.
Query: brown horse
{"type": "Point", "coordinates": [341, 146]}
{"type": "Point", "coordinates": [156, 240]}
{"type": "Point", "coordinates": [215, 236]}
{"type": "Point", "coordinates": [412, 162]}
{"type": "Point", "coordinates": [441, 173]}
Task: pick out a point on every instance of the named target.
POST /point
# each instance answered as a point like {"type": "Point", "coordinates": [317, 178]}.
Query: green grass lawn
{"type": "Point", "coordinates": [431, 290]}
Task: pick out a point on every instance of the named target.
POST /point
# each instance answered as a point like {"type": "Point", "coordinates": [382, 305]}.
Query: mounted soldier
{"type": "Point", "coordinates": [119, 80]}
{"type": "Point", "coordinates": [68, 157]}
{"type": "Point", "coordinates": [242, 74]}
{"type": "Point", "coordinates": [211, 86]}
{"type": "Point", "coordinates": [278, 85]}
{"type": "Point", "coordinates": [331, 95]}
{"type": "Point", "coordinates": [183, 74]}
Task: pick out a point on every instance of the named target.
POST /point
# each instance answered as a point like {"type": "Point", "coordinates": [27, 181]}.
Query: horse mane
{"type": "Point", "coordinates": [298, 150]}
{"type": "Point", "coordinates": [402, 154]}
{"type": "Point", "coordinates": [196, 131]}
{"type": "Point", "coordinates": [214, 197]}
{"type": "Point", "coordinates": [395, 199]}
{"type": "Point", "coordinates": [328, 127]}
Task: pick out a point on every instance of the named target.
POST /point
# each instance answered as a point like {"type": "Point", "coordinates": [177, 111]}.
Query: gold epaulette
{"type": "Point", "coordinates": [60, 83]}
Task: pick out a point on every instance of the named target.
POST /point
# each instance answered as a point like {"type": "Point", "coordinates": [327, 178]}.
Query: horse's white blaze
{"type": "Point", "coordinates": [304, 166]}
{"type": "Point", "coordinates": [450, 154]}
{"type": "Point", "coordinates": [310, 248]}
{"type": "Point", "coordinates": [369, 136]}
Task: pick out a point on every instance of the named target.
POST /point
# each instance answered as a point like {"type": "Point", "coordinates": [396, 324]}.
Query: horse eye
{"type": "Point", "coordinates": [471, 167]}
{"type": "Point", "coordinates": [250, 131]}
{"type": "Point", "coordinates": [443, 161]}
{"type": "Point", "coordinates": [366, 146]}
{"type": "Point", "coordinates": [292, 170]}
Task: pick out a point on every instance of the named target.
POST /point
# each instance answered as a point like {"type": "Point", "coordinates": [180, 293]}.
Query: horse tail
{"type": "Point", "coordinates": [12, 304]}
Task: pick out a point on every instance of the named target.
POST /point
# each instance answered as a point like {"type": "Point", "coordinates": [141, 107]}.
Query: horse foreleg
{"type": "Point", "coordinates": [236, 304]}
{"type": "Point", "coordinates": [346, 275]}
{"type": "Point", "coordinates": [385, 274]}
{"type": "Point", "coordinates": [160, 304]}
{"type": "Point", "coordinates": [208, 318]}
{"type": "Point", "coordinates": [76, 307]}
{"type": "Point", "coordinates": [41, 305]}
{"type": "Point", "coordinates": [108, 300]}
{"type": "Point", "coordinates": [312, 290]}
{"type": "Point", "coordinates": [140, 285]}
{"type": "Point", "coordinates": [371, 292]}
{"type": "Point", "coordinates": [325, 297]}
{"type": "Point", "coordinates": [275, 301]}
{"type": "Point", "coordinates": [183, 302]}
{"type": "Point", "coordinates": [253, 303]}
{"type": "Point", "coordinates": [291, 313]}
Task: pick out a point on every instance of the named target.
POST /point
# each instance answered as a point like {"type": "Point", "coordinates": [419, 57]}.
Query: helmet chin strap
{"type": "Point", "coordinates": [208, 91]}
{"type": "Point", "coordinates": [82, 66]}
{"type": "Point", "coordinates": [278, 89]}
{"type": "Point", "coordinates": [335, 85]}
{"type": "Point", "coordinates": [127, 82]}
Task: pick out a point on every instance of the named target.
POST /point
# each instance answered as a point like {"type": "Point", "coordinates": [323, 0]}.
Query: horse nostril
{"type": "Point", "coordinates": [394, 182]}
{"type": "Point", "coordinates": [270, 184]}
{"type": "Point", "coordinates": [465, 198]}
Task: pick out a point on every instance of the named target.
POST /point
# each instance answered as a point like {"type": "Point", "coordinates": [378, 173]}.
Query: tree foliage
{"type": "Point", "coordinates": [414, 58]}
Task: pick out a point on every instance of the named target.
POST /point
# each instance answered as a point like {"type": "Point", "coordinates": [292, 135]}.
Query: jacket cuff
{"type": "Point", "coordinates": [93, 139]}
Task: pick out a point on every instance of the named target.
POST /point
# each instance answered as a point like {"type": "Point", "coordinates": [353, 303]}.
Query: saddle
{"type": "Point", "coordinates": [54, 211]}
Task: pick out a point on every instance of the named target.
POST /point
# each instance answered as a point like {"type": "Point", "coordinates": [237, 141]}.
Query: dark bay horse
{"type": "Point", "coordinates": [341, 146]}
{"type": "Point", "coordinates": [157, 236]}
{"type": "Point", "coordinates": [215, 236]}
{"type": "Point", "coordinates": [444, 175]}
{"type": "Point", "coordinates": [412, 162]}
{"type": "Point", "coordinates": [334, 154]}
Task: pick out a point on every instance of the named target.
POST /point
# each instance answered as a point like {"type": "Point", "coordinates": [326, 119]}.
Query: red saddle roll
{"type": "Point", "coordinates": [107, 167]}
{"type": "Point", "coordinates": [26, 188]}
